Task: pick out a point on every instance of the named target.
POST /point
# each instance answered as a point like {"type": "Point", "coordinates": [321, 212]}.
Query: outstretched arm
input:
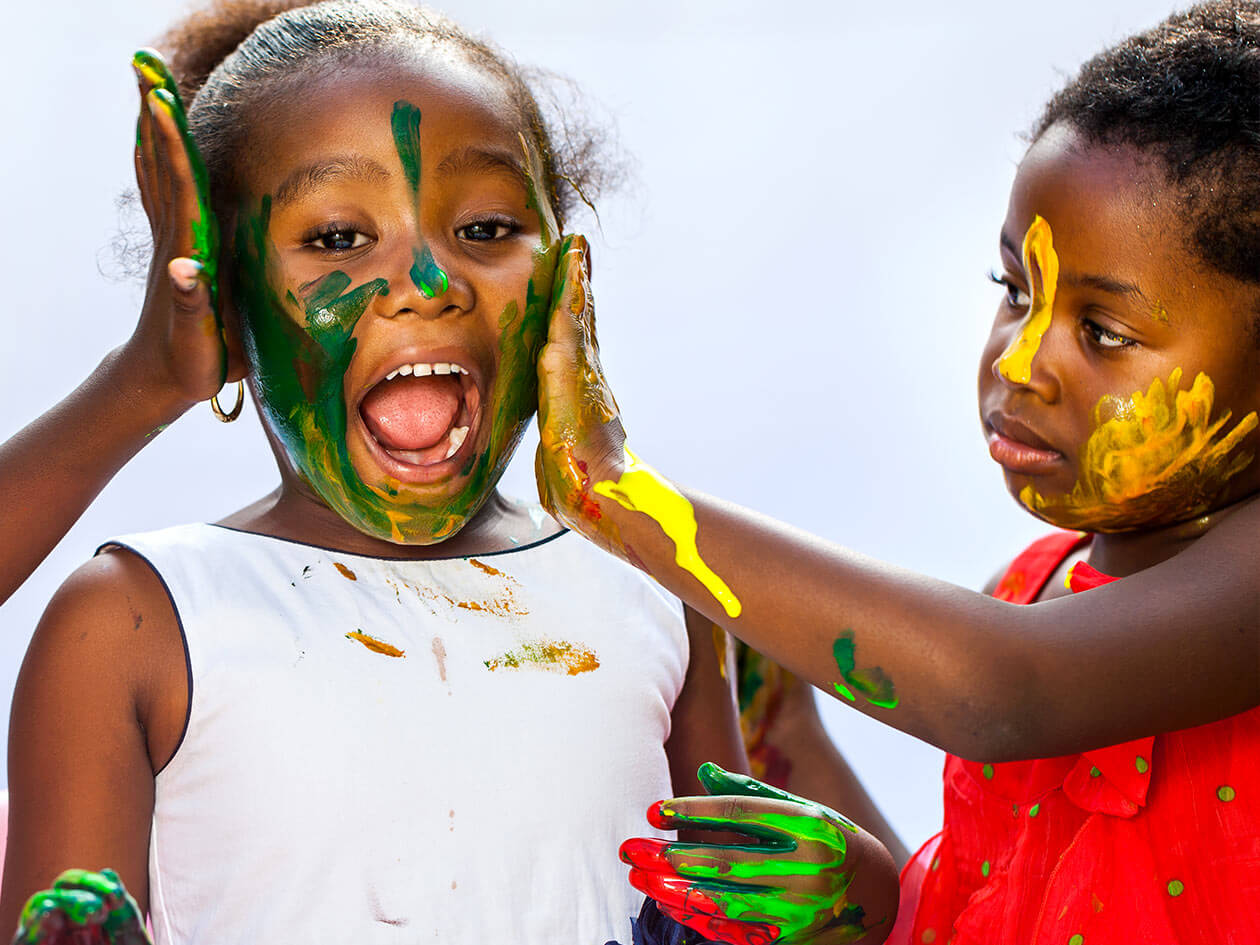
{"type": "Point", "coordinates": [1173, 646]}
{"type": "Point", "coordinates": [178, 355]}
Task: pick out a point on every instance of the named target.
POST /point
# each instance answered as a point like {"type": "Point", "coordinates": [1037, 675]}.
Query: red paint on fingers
{"type": "Point", "coordinates": [647, 854]}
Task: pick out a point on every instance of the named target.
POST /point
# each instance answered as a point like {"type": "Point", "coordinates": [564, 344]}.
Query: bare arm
{"type": "Point", "coordinates": [52, 470]}
{"type": "Point", "coordinates": [1173, 646]}
{"type": "Point", "coordinates": [781, 726]}
{"type": "Point", "coordinates": [98, 707]}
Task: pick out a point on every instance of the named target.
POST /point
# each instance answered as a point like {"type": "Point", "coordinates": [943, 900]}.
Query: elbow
{"type": "Point", "coordinates": [1000, 716]}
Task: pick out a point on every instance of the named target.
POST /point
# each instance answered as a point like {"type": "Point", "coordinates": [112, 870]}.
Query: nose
{"type": "Point", "coordinates": [422, 287]}
{"type": "Point", "coordinates": [1038, 369]}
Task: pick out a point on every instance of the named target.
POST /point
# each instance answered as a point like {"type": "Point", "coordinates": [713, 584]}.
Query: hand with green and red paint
{"type": "Point", "coordinates": [82, 908]}
{"type": "Point", "coordinates": [792, 884]}
{"type": "Point", "coordinates": [180, 345]}
{"type": "Point", "coordinates": [581, 440]}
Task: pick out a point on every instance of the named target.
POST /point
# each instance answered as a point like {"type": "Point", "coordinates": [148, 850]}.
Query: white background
{"type": "Point", "coordinates": [791, 291]}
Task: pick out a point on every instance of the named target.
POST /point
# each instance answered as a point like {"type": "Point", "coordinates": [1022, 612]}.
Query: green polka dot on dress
{"type": "Point", "coordinates": [1176, 887]}
{"type": "Point", "coordinates": [987, 771]}
{"type": "Point", "coordinates": [1077, 939]}
{"type": "Point", "coordinates": [1141, 765]}
{"type": "Point", "coordinates": [985, 869]}
{"type": "Point", "coordinates": [1094, 772]}
{"type": "Point", "coordinates": [1226, 793]}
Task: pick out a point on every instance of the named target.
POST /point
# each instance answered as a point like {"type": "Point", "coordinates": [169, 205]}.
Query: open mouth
{"type": "Point", "coordinates": [422, 417]}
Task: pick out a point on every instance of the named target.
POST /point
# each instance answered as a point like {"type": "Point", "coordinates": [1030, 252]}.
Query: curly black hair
{"type": "Point", "coordinates": [1187, 92]}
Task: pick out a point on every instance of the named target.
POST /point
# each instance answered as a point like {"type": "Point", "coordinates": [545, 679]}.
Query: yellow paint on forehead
{"type": "Point", "coordinates": [642, 489]}
{"type": "Point", "coordinates": [1153, 458]}
{"type": "Point", "coordinates": [1016, 362]}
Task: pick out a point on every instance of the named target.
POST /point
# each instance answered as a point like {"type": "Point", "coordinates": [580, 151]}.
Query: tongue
{"type": "Point", "coordinates": [412, 413]}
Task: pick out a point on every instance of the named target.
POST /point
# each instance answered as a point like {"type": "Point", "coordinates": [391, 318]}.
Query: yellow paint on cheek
{"type": "Point", "coordinates": [1157, 457]}
{"type": "Point", "coordinates": [1016, 362]}
{"type": "Point", "coordinates": [642, 489]}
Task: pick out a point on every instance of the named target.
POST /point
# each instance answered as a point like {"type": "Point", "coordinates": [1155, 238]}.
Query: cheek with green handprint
{"type": "Point", "coordinates": [787, 885]}
{"type": "Point", "coordinates": [301, 341]}
{"type": "Point", "coordinates": [83, 908]}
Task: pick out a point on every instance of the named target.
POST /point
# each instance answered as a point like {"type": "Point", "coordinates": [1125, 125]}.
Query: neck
{"type": "Point", "coordinates": [1123, 553]}
{"type": "Point", "coordinates": [293, 512]}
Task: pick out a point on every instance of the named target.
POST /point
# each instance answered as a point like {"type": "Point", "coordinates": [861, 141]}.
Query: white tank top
{"type": "Point", "coordinates": [396, 751]}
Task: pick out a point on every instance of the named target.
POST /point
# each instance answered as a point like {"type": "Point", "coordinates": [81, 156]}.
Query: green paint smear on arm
{"type": "Point", "coordinates": [872, 683]}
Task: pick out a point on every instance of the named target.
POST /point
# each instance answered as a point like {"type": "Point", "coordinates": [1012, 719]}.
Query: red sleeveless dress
{"type": "Point", "coordinates": [1152, 842]}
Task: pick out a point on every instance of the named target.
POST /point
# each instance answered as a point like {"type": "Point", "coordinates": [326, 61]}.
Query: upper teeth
{"type": "Point", "coordinates": [424, 370]}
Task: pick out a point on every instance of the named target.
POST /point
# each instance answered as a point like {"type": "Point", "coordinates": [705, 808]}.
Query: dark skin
{"type": "Point", "coordinates": [110, 637]}
{"type": "Point", "coordinates": [1174, 645]}
{"type": "Point", "coordinates": [56, 466]}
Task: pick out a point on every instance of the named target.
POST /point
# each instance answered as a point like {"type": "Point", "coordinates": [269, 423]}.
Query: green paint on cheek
{"type": "Point", "coordinates": [871, 683]}
{"type": "Point", "coordinates": [300, 346]}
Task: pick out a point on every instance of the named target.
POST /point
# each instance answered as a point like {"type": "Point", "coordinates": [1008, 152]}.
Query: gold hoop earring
{"type": "Point", "coordinates": [235, 411]}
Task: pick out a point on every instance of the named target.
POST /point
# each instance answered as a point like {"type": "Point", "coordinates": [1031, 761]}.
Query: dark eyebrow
{"type": "Point", "coordinates": [310, 176]}
{"type": "Point", "coordinates": [483, 160]}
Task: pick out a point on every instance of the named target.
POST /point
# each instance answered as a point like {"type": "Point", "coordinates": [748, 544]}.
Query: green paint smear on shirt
{"type": "Point", "coordinates": [872, 683]}
{"type": "Point", "coordinates": [299, 350]}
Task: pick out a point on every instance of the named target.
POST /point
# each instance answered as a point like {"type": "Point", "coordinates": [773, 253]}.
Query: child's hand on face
{"type": "Point", "coordinates": [180, 344]}
{"type": "Point", "coordinates": [789, 888]}
{"type": "Point", "coordinates": [82, 908]}
{"type": "Point", "coordinates": [581, 440]}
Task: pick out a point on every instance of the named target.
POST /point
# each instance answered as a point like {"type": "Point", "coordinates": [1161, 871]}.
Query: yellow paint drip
{"type": "Point", "coordinates": [1159, 457]}
{"type": "Point", "coordinates": [1016, 362]}
{"type": "Point", "coordinates": [642, 489]}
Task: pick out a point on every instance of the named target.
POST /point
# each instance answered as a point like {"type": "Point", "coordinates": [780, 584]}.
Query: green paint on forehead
{"type": "Point", "coordinates": [300, 347]}
{"type": "Point", "coordinates": [405, 122]}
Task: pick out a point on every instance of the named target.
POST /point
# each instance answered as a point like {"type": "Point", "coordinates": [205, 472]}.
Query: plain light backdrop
{"type": "Point", "coordinates": [791, 290]}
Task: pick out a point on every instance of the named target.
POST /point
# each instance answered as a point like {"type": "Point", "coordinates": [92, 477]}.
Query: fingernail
{"type": "Point", "coordinates": [658, 815]}
{"type": "Point", "coordinates": [646, 854]}
{"type": "Point", "coordinates": [185, 273]}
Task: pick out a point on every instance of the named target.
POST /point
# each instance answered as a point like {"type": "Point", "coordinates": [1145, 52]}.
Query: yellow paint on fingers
{"type": "Point", "coordinates": [642, 489]}
{"type": "Point", "coordinates": [1016, 362]}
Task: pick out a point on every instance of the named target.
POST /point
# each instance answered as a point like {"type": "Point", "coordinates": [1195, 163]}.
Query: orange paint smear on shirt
{"type": "Point", "coordinates": [480, 566]}
{"type": "Point", "coordinates": [345, 572]}
{"type": "Point", "coordinates": [553, 656]}
{"type": "Point", "coordinates": [375, 645]}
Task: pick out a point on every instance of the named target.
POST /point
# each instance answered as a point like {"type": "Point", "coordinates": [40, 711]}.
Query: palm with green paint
{"type": "Point", "coordinates": [788, 886]}
{"type": "Point", "coordinates": [82, 908]}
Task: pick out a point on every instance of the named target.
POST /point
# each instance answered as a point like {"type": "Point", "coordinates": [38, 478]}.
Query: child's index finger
{"type": "Point", "coordinates": [153, 69]}
{"type": "Point", "coordinates": [727, 813]}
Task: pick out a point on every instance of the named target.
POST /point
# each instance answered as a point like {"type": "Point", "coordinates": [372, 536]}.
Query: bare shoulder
{"type": "Point", "coordinates": [111, 633]}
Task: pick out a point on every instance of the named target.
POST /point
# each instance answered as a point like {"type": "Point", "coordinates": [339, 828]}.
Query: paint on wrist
{"type": "Point", "coordinates": [1041, 266]}
{"type": "Point", "coordinates": [642, 489]}
{"type": "Point", "coordinates": [871, 683]}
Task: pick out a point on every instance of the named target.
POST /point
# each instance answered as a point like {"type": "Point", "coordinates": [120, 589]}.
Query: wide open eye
{"type": "Point", "coordinates": [1015, 296]}
{"type": "Point", "coordinates": [1104, 337]}
{"type": "Point", "coordinates": [493, 228]}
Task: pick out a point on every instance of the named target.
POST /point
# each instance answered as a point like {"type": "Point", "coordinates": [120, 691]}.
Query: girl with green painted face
{"type": "Point", "coordinates": [1102, 783]}
{"type": "Point", "coordinates": [459, 694]}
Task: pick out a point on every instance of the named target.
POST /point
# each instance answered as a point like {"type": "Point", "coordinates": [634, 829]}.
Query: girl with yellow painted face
{"type": "Point", "coordinates": [1103, 782]}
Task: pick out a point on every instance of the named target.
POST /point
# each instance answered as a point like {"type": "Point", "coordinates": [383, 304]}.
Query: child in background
{"type": "Point", "coordinates": [384, 635]}
{"type": "Point", "coordinates": [1103, 782]}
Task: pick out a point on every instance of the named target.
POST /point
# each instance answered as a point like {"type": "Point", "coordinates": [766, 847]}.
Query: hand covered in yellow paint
{"type": "Point", "coordinates": [581, 440]}
{"type": "Point", "coordinates": [180, 349]}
